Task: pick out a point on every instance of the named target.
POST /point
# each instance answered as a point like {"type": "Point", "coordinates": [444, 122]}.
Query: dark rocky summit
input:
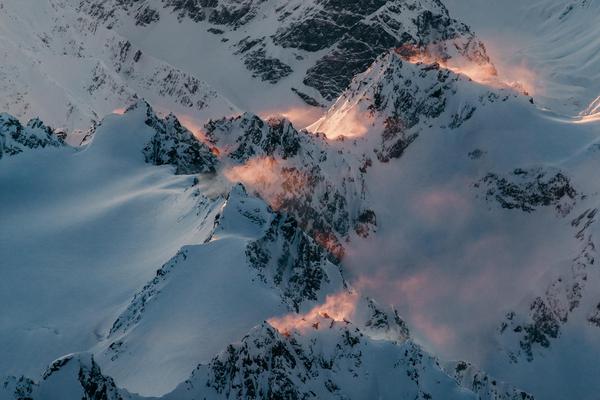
{"type": "Point", "coordinates": [527, 190]}
{"type": "Point", "coordinates": [16, 138]}
{"type": "Point", "coordinates": [172, 144]}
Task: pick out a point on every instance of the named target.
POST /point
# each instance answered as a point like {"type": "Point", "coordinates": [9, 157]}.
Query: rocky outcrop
{"type": "Point", "coordinates": [396, 100]}
{"type": "Point", "coordinates": [287, 258]}
{"type": "Point", "coordinates": [16, 138]}
{"type": "Point", "coordinates": [249, 136]}
{"type": "Point", "coordinates": [75, 376]}
{"type": "Point", "coordinates": [348, 35]}
{"type": "Point", "coordinates": [17, 388]}
{"type": "Point", "coordinates": [172, 144]}
{"type": "Point", "coordinates": [267, 364]}
{"type": "Point", "coordinates": [356, 41]}
{"type": "Point", "coordinates": [256, 59]}
{"type": "Point", "coordinates": [382, 324]}
{"type": "Point", "coordinates": [483, 385]}
{"type": "Point", "coordinates": [146, 75]}
{"type": "Point", "coordinates": [527, 190]}
{"type": "Point", "coordinates": [175, 145]}
{"type": "Point", "coordinates": [298, 173]}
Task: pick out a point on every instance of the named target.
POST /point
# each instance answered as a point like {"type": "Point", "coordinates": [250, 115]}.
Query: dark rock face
{"type": "Point", "coordinates": [264, 364]}
{"type": "Point", "coordinates": [146, 16]}
{"type": "Point", "coordinates": [16, 138]}
{"type": "Point", "coordinates": [172, 144]}
{"type": "Point", "coordinates": [194, 10]}
{"type": "Point", "coordinates": [544, 326]}
{"type": "Point", "coordinates": [231, 13]}
{"type": "Point", "coordinates": [311, 101]}
{"type": "Point", "coordinates": [327, 24]}
{"type": "Point", "coordinates": [255, 137]}
{"type": "Point", "coordinates": [388, 325]}
{"type": "Point", "coordinates": [303, 188]}
{"type": "Point", "coordinates": [405, 102]}
{"type": "Point", "coordinates": [527, 190]}
{"type": "Point", "coordinates": [287, 258]}
{"type": "Point", "coordinates": [19, 388]}
{"type": "Point", "coordinates": [390, 24]}
{"type": "Point", "coordinates": [485, 386]}
{"type": "Point", "coordinates": [403, 99]}
{"type": "Point", "coordinates": [135, 311]}
{"type": "Point", "coordinates": [256, 59]}
{"type": "Point", "coordinates": [175, 145]}
{"type": "Point", "coordinates": [351, 34]}
{"type": "Point", "coordinates": [235, 13]}
{"type": "Point", "coordinates": [594, 316]}
{"type": "Point", "coordinates": [366, 223]}
{"type": "Point", "coordinates": [79, 370]}
{"type": "Point", "coordinates": [267, 364]}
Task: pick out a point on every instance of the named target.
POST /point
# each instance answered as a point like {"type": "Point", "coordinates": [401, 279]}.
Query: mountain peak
{"type": "Point", "coordinates": [16, 138]}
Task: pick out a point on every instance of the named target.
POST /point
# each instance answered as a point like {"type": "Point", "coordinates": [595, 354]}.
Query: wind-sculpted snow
{"type": "Point", "coordinates": [75, 376]}
{"type": "Point", "coordinates": [553, 309]}
{"type": "Point", "coordinates": [371, 346]}
{"type": "Point", "coordinates": [135, 310]}
{"type": "Point", "coordinates": [483, 385]}
{"type": "Point", "coordinates": [255, 254]}
{"type": "Point", "coordinates": [108, 220]}
{"type": "Point", "coordinates": [552, 44]}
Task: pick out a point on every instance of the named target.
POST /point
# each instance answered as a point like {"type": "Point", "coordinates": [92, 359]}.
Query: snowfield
{"type": "Point", "coordinates": [169, 229]}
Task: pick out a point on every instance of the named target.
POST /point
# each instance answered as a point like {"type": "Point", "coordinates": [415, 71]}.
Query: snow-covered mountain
{"type": "Point", "coordinates": [169, 230]}
{"type": "Point", "coordinates": [202, 59]}
{"type": "Point", "coordinates": [550, 44]}
{"type": "Point", "coordinates": [70, 70]}
{"type": "Point", "coordinates": [469, 170]}
{"type": "Point", "coordinates": [319, 44]}
{"type": "Point", "coordinates": [235, 250]}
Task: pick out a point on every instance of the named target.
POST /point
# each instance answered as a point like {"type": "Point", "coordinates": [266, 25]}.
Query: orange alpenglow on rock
{"type": "Point", "coordinates": [337, 308]}
{"type": "Point", "coordinates": [518, 78]}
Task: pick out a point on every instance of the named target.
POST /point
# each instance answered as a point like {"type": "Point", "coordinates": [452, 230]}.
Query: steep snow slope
{"type": "Point", "coordinates": [71, 71]}
{"type": "Point", "coordinates": [280, 56]}
{"type": "Point", "coordinates": [116, 212]}
{"type": "Point", "coordinates": [324, 362]}
{"type": "Point", "coordinates": [474, 162]}
{"type": "Point", "coordinates": [196, 304]}
{"type": "Point", "coordinates": [82, 230]}
{"type": "Point", "coordinates": [552, 43]}
{"type": "Point", "coordinates": [428, 162]}
{"type": "Point", "coordinates": [481, 198]}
